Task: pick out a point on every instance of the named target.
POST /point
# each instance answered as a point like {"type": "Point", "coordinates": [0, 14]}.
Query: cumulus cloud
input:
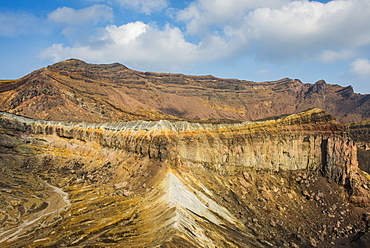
{"type": "Point", "coordinates": [202, 14]}
{"type": "Point", "coordinates": [144, 6]}
{"type": "Point", "coordinates": [223, 29]}
{"type": "Point", "coordinates": [20, 23]}
{"type": "Point", "coordinates": [125, 34]}
{"type": "Point", "coordinates": [330, 56]}
{"type": "Point", "coordinates": [361, 67]}
{"type": "Point", "coordinates": [134, 42]}
{"type": "Point", "coordinates": [282, 29]}
{"type": "Point", "coordinates": [301, 28]}
{"type": "Point", "coordinates": [90, 15]}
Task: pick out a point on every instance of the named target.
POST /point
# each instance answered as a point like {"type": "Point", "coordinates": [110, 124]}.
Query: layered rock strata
{"type": "Point", "coordinates": [301, 141]}
{"type": "Point", "coordinates": [286, 181]}
{"type": "Point", "coordinates": [76, 91]}
{"type": "Point", "coordinates": [360, 133]}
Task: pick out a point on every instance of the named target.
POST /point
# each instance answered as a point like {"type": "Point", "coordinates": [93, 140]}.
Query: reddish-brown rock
{"type": "Point", "coordinates": [76, 91]}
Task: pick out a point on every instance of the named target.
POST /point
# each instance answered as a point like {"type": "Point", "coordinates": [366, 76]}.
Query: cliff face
{"type": "Point", "coordinates": [286, 181]}
{"type": "Point", "coordinates": [76, 91]}
{"type": "Point", "coordinates": [360, 133]}
{"type": "Point", "coordinates": [301, 141]}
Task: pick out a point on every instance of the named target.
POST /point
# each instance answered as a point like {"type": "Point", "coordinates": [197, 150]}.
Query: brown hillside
{"type": "Point", "coordinates": [73, 90]}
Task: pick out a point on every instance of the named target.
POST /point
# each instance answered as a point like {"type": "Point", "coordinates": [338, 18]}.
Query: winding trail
{"type": "Point", "coordinates": [57, 202]}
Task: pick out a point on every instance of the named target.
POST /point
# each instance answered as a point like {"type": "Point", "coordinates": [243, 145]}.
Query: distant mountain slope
{"type": "Point", "coordinates": [73, 90]}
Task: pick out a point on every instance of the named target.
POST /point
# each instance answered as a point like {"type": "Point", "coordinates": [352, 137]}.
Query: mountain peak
{"type": "Point", "coordinates": [77, 63]}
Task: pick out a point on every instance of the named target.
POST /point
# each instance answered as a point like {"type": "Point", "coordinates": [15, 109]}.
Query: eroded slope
{"type": "Point", "coordinates": [73, 90]}
{"type": "Point", "coordinates": [288, 181]}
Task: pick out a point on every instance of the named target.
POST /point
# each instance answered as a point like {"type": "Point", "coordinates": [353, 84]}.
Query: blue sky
{"type": "Point", "coordinates": [257, 40]}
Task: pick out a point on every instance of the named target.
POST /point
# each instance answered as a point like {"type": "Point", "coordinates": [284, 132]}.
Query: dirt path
{"type": "Point", "coordinates": [57, 202]}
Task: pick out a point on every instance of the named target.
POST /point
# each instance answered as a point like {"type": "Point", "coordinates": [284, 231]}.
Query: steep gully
{"type": "Point", "coordinates": [187, 167]}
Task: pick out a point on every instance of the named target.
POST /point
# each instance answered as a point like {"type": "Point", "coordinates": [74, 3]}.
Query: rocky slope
{"type": "Point", "coordinates": [289, 181]}
{"type": "Point", "coordinates": [105, 156]}
{"type": "Point", "coordinates": [76, 91]}
{"type": "Point", "coordinates": [360, 133]}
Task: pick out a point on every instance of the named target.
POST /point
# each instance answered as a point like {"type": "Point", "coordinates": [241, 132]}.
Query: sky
{"type": "Point", "coordinates": [255, 40]}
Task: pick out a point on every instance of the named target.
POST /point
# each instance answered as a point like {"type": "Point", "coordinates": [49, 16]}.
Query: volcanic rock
{"type": "Point", "coordinates": [206, 185]}
{"type": "Point", "coordinates": [73, 90]}
{"type": "Point", "coordinates": [105, 156]}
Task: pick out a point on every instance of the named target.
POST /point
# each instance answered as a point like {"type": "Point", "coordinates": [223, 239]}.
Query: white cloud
{"type": "Point", "coordinates": [301, 28]}
{"type": "Point", "coordinates": [361, 67]}
{"type": "Point", "coordinates": [90, 15]}
{"type": "Point", "coordinates": [224, 29]}
{"type": "Point", "coordinates": [142, 46]}
{"type": "Point", "coordinates": [134, 43]}
{"type": "Point", "coordinates": [282, 29]}
{"type": "Point", "coordinates": [125, 34]}
{"type": "Point", "coordinates": [144, 6]}
{"type": "Point", "coordinates": [21, 23]}
{"type": "Point", "coordinates": [202, 14]}
{"type": "Point", "coordinates": [330, 56]}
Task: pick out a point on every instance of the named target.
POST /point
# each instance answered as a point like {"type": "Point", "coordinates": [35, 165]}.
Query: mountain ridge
{"type": "Point", "coordinates": [113, 92]}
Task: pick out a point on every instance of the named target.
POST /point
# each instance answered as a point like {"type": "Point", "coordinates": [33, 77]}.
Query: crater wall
{"type": "Point", "coordinates": [310, 140]}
